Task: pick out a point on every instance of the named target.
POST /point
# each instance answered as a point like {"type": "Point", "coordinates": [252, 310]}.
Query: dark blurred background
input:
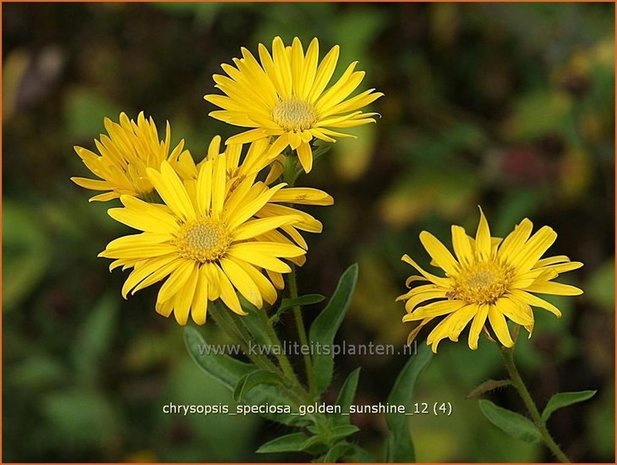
{"type": "Point", "coordinates": [506, 106]}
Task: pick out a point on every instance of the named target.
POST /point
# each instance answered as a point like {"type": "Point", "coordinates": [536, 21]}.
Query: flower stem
{"type": "Point", "coordinates": [517, 381]}
{"type": "Point", "coordinates": [226, 322]}
{"type": "Point", "coordinates": [293, 293]}
{"type": "Point", "coordinates": [280, 355]}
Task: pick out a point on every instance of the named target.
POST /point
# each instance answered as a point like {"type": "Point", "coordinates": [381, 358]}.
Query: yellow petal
{"type": "Point", "coordinates": [477, 325]}
{"type": "Point", "coordinates": [499, 325]}
{"type": "Point", "coordinates": [483, 239]}
{"type": "Point", "coordinates": [439, 253]}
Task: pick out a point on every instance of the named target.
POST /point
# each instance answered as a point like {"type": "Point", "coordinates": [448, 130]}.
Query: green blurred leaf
{"type": "Point", "coordinates": [80, 418]}
{"type": "Point", "coordinates": [95, 336]}
{"type": "Point", "coordinates": [294, 442]}
{"type": "Point", "coordinates": [399, 447]}
{"type": "Point", "coordinates": [84, 112]}
{"type": "Point", "coordinates": [327, 323]}
{"type": "Point", "coordinates": [40, 371]}
{"type": "Point", "coordinates": [511, 423]}
{"type": "Point", "coordinates": [564, 399]}
{"type": "Point", "coordinates": [26, 254]}
{"type": "Point", "coordinates": [601, 285]}
{"type": "Point", "coordinates": [253, 379]}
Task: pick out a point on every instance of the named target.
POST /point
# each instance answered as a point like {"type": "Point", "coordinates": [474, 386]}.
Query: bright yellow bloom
{"type": "Point", "coordinates": [285, 96]}
{"type": "Point", "coordinates": [129, 149]}
{"type": "Point", "coordinates": [486, 278]}
{"type": "Point", "coordinates": [204, 242]}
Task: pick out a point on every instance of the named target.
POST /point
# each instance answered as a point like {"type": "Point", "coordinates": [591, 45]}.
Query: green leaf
{"type": "Point", "coordinates": [294, 442]}
{"type": "Point", "coordinates": [229, 372]}
{"type": "Point", "coordinates": [286, 304]}
{"type": "Point", "coordinates": [339, 432]}
{"type": "Point", "coordinates": [336, 452]}
{"type": "Point", "coordinates": [95, 336]}
{"type": "Point", "coordinates": [327, 323]}
{"type": "Point", "coordinates": [255, 324]}
{"type": "Point", "coordinates": [511, 423]}
{"type": "Point", "coordinates": [347, 394]}
{"type": "Point", "coordinates": [253, 379]}
{"type": "Point", "coordinates": [563, 399]}
{"type": "Point", "coordinates": [487, 386]}
{"type": "Point", "coordinates": [399, 447]}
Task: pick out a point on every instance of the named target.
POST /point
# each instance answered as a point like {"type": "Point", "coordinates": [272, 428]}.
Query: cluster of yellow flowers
{"type": "Point", "coordinates": [218, 229]}
{"type": "Point", "coordinates": [223, 227]}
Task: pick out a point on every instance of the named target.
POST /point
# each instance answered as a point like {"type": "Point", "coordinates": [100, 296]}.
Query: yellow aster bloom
{"type": "Point", "coordinates": [204, 243]}
{"type": "Point", "coordinates": [126, 152]}
{"type": "Point", "coordinates": [487, 282]}
{"type": "Point", "coordinates": [284, 96]}
{"type": "Point", "coordinates": [242, 165]}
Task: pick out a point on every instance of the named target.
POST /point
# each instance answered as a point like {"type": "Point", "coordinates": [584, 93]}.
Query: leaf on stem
{"type": "Point", "coordinates": [511, 423]}
{"type": "Point", "coordinates": [399, 447]}
{"type": "Point", "coordinates": [327, 323]}
{"type": "Point", "coordinates": [294, 442]}
{"type": "Point", "coordinates": [229, 371]}
{"type": "Point", "coordinates": [487, 386]}
{"type": "Point", "coordinates": [347, 394]}
{"type": "Point", "coordinates": [253, 379]}
{"type": "Point", "coordinates": [286, 304]}
{"type": "Point", "coordinates": [564, 399]}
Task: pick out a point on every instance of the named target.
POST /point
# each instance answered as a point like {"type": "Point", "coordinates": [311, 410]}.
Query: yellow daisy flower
{"type": "Point", "coordinates": [202, 242]}
{"type": "Point", "coordinates": [486, 278]}
{"type": "Point", "coordinates": [242, 165]}
{"type": "Point", "coordinates": [129, 149]}
{"type": "Point", "coordinates": [284, 96]}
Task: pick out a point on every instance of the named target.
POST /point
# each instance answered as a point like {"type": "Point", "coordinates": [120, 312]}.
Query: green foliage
{"type": "Point", "coordinates": [399, 447]}
{"type": "Point", "coordinates": [511, 423]}
{"type": "Point", "coordinates": [326, 325]}
{"type": "Point", "coordinates": [288, 303]}
{"type": "Point", "coordinates": [564, 399]}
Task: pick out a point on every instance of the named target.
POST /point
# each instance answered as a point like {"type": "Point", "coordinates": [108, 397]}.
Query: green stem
{"type": "Point", "coordinates": [517, 381]}
{"type": "Point", "coordinates": [280, 355]}
{"type": "Point", "coordinates": [297, 312]}
{"type": "Point", "coordinates": [239, 334]}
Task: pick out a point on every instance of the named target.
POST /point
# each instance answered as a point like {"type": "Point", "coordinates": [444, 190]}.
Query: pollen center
{"type": "Point", "coordinates": [294, 114]}
{"type": "Point", "coordinates": [482, 283]}
{"type": "Point", "coordinates": [203, 240]}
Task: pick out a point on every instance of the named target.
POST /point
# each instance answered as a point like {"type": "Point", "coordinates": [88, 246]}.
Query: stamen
{"type": "Point", "coordinates": [294, 114]}
{"type": "Point", "coordinates": [203, 240]}
{"type": "Point", "coordinates": [482, 283]}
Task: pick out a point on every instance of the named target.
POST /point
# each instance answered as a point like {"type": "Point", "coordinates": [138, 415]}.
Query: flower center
{"type": "Point", "coordinates": [294, 114]}
{"type": "Point", "coordinates": [203, 240]}
{"type": "Point", "coordinates": [482, 283]}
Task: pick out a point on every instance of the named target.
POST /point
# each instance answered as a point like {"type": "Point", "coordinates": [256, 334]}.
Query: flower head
{"type": "Point", "coordinates": [284, 96]}
{"type": "Point", "coordinates": [485, 279]}
{"type": "Point", "coordinates": [129, 149]}
{"type": "Point", "coordinates": [204, 241]}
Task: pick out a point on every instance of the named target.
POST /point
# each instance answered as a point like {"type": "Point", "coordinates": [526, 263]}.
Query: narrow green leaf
{"type": "Point", "coordinates": [339, 432]}
{"type": "Point", "coordinates": [253, 379]}
{"type": "Point", "coordinates": [95, 336]}
{"type": "Point", "coordinates": [255, 324]}
{"type": "Point", "coordinates": [336, 452]}
{"type": "Point", "coordinates": [487, 386]}
{"type": "Point", "coordinates": [347, 394]}
{"type": "Point", "coordinates": [229, 371]}
{"type": "Point", "coordinates": [511, 423]}
{"type": "Point", "coordinates": [286, 304]}
{"type": "Point", "coordinates": [563, 399]}
{"type": "Point", "coordinates": [399, 447]}
{"type": "Point", "coordinates": [289, 443]}
{"type": "Point", "coordinates": [327, 323]}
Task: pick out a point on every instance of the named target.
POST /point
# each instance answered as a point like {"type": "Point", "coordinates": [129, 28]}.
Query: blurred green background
{"type": "Point", "coordinates": [506, 106]}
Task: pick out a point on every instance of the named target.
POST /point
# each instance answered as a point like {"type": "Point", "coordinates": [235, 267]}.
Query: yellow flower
{"type": "Point", "coordinates": [202, 242]}
{"type": "Point", "coordinates": [241, 165]}
{"type": "Point", "coordinates": [285, 96]}
{"type": "Point", "coordinates": [129, 149]}
{"type": "Point", "coordinates": [486, 278]}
